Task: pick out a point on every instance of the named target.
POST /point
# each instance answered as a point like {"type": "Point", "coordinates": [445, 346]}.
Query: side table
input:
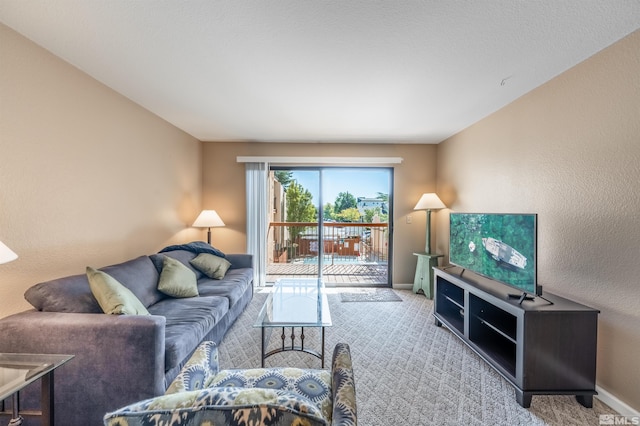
{"type": "Point", "coordinates": [19, 370]}
{"type": "Point", "coordinates": [423, 279]}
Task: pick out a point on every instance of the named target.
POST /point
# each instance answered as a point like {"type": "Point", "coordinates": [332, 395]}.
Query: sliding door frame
{"type": "Point", "coordinates": [320, 169]}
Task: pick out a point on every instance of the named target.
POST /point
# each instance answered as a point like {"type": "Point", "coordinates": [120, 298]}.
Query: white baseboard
{"type": "Point", "coordinates": [615, 403]}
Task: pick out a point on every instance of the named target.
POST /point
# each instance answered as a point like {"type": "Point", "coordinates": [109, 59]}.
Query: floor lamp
{"type": "Point", "coordinates": [208, 219]}
{"type": "Point", "coordinates": [429, 202]}
{"type": "Point", "coordinates": [7, 255]}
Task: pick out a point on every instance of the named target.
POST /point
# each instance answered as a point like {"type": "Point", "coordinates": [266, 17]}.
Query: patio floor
{"type": "Point", "coordinates": [332, 275]}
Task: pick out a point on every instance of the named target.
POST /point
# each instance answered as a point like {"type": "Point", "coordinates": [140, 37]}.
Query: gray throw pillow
{"type": "Point", "coordinates": [113, 297]}
{"type": "Point", "coordinates": [177, 280]}
{"type": "Point", "coordinates": [212, 266]}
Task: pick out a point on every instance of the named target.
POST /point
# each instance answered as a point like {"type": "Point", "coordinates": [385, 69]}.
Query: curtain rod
{"type": "Point", "coordinates": [321, 160]}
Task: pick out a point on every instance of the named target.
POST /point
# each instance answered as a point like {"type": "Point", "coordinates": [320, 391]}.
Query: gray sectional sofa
{"type": "Point", "coordinates": [120, 359]}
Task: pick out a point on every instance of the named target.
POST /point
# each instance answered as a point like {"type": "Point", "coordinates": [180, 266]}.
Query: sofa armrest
{"type": "Point", "coordinates": [198, 371]}
{"type": "Point", "coordinates": [118, 359]}
{"type": "Point", "coordinates": [241, 260]}
{"type": "Point", "coordinates": [343, 387]}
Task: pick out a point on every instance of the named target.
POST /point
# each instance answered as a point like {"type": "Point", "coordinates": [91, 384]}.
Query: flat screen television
{"type": "Point", "coordinates": [501, 247]}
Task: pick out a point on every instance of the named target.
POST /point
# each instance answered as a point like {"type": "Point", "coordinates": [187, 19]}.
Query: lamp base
{"type": "Point", "coordinates": [427, 246]}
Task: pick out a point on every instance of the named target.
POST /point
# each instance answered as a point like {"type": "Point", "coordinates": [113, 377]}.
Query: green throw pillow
{"type": "Point", "coordinates": [177, 280]}
{"type": "Point", "coordinates": [212, 266]}
{"type": "Point", "coordinates": [113, 297]}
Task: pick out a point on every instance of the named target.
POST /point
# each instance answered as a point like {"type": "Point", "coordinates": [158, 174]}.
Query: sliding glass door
{"type": "Point", "coordinates": [334, 223]}
{"type": "Point", "coordinates": [293, 240]}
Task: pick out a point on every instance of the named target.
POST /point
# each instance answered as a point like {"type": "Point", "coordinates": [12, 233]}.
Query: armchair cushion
{"type": "Point", "coordinates": [201, 394]}
{"type": "Point", "coordinates": [200, 369]}
{"type": "Point", "coordinates": [314, 385]}
{"type": "Point", "coordinates": [223, 406]}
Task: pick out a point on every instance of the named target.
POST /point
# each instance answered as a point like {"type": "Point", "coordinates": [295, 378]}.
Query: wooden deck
{"type": "Point", "coordinates": [332, 275]}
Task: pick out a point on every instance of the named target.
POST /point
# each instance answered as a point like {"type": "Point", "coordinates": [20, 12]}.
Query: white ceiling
{"type": "Point", "coordinates": [317, 70]}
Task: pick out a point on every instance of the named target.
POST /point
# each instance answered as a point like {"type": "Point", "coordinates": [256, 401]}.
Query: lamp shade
{"type": "Point", "coordinates": [429, 201]}
{"type": "Point", "coordinates": [208, 219]}
{"type": "Point", "coordinates": [6, 254]}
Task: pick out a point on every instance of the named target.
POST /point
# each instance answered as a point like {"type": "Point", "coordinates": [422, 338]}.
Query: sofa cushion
{"type": "Point", "coordinates": [212, 266]}
{"type": "Point", "coordinates": [220, 406]}
{"type": "Point", "coordinates": [188, 322]}
{"type": "Point", "coordinates": [68, 294]}
{"type": "Point", "coordinates": [240, 260]}
{"type": "Point", "coordinates": [233, 286]}
{"type": "Point", "coordinates": [73, 294]}
{"type": "Point", "coordinates": [183, 256]}
{"type": "Point", "coordinates": [314, 385]}
{"type": "Point", "coordinates": [140, 276]}
{"type": "Point", "coordinates": [113, 297]}
{"type": "Point", "coordinates": [176, 280]}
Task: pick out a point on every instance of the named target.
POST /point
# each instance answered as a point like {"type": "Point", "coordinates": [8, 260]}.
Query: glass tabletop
{"type": "Point", "coordinates": [296, 302]}
{"type": "Point", "coordinates": [19, 370]}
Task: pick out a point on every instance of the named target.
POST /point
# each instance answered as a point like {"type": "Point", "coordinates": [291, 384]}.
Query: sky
{"type": "Point", "coordinates": [358, 182]}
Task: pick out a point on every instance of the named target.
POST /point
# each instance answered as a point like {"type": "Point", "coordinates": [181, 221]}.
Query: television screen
{"type": "Point", "coordinates": [501, 247]}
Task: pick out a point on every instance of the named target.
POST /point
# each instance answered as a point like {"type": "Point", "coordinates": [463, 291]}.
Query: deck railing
{"type": "Point", "coordinates": [294, 248]}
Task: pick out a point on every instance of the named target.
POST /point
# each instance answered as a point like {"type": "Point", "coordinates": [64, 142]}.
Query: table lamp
{"type": "Point", "coordinates": [208, 219]}
{"type": "Point", "coordinates": [428, 202]}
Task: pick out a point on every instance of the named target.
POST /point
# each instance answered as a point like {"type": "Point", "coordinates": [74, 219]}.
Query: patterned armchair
{"type": "Point", "coordinates": [203, 395]}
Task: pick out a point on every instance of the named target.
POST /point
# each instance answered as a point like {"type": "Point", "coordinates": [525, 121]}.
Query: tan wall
{"type": "Point", "coordinates": [86, 176]}
{"type": "Point", "coordinates": [224, 190]}
{"type": "Point", "coordinates": [570, 152]}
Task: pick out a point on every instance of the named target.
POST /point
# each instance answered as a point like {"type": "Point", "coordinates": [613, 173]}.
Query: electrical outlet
{"type": "Point", "coordinates": [409, 219]}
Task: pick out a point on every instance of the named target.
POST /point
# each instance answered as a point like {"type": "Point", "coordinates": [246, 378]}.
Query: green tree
{"type": "Point", "coordinates": [285, 177]}
{"type": "Point", "coordinates": [370, 213]}
{"type": "Point", "coordinates": [385, 208]}
{"type": "Point", "coordinates": [300, 208]}
{"type": "Point", "coordinates": [328, 213]}
{"type": "Point", "coordinates": [349, 215]}
{"type": "Point", "coordinates": [344, 201]}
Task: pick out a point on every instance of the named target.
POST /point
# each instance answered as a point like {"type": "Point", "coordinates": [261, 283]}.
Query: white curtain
{"type": "Point", "coordinates": [257, 221]}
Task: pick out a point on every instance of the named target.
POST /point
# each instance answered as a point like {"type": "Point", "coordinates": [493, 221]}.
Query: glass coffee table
{"type": "Point", "coordinates": [294, 303]}
{"type": "Point", "coordinates": [19, 370]}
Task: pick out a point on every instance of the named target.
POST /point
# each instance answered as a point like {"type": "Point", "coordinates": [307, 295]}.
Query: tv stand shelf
{"type": "Point", "coordinates": [541, 346]}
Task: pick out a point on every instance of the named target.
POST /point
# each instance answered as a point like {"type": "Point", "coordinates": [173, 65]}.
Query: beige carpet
{"type": "Point", "coordinates": [408, 371]}
{"type": "Point", "coordinates": [369, 295]}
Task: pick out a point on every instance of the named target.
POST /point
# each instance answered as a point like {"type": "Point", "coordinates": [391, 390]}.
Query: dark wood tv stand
{"type": "Point", "coordinates": [542, 347]}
